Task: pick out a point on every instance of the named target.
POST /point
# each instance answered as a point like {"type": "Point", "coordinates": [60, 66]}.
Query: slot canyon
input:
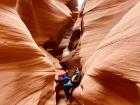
{"type": "Point", "coordinates": [69, 52]}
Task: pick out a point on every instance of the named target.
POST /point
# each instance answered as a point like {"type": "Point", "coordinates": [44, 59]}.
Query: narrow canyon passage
{"type": "Point", "coordinates": [69, 52]}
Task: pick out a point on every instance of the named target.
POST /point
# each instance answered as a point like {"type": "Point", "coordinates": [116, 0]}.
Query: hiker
{"type": "Point", "coordinates": [68, 83]}
{"type": "Point", "coordinates": [72, 83]}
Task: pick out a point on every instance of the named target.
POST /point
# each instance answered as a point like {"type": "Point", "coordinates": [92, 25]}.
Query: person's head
{"type": "Point", "coordinates": [77, 71]}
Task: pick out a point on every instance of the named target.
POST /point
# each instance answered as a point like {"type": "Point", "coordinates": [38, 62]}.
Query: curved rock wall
{"type": "Point", "coordinates": [109, 51]}
{"type": "Point", "coordinates": [111, 74]}
{"type": "Point", "coordinates": [99, 17]}
{"type": "Point", "coordinates": [44, 18]}
{"type": "Point", "coordinates": [26, 73]}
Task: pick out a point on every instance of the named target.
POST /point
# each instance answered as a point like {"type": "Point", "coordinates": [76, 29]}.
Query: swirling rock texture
{"type": "Point", "coordinates": [110, 53]}
{"type": "Point", "coordinates": [108, 50]}
{"type": "Point", "coordinates": [44, 16]}
{"type": "Point", "coordinates": [27, 72]}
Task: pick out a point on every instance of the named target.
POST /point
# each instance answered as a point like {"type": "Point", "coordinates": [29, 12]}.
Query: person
{"type": "Point", "coordinates": [60, 81]}
{"type": "Point", "coordinates": [72, 83]}
{"type": "Point", "coordinates": [67, 83]}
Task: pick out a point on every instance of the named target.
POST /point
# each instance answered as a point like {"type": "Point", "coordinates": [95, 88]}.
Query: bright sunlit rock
{"type": "Point", "coordinates": [80, 2]}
